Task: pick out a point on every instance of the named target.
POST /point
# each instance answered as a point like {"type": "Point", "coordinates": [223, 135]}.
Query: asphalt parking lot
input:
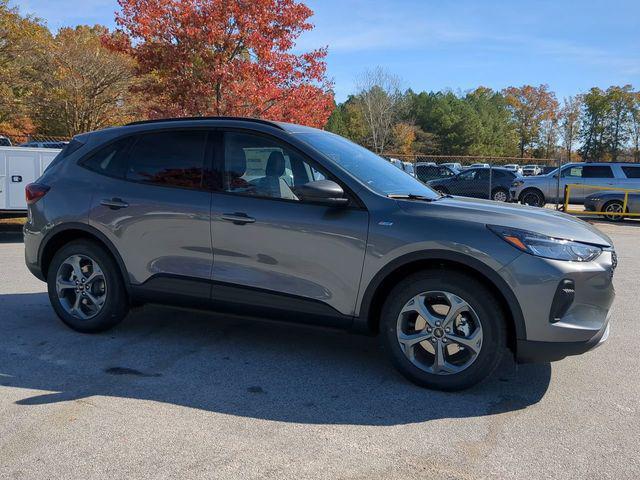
{"type": "Point", "coordinates": [177, 394]}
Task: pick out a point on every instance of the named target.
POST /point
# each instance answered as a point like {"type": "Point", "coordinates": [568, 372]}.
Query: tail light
{"type": "Point", "coordinates": [34, 192]}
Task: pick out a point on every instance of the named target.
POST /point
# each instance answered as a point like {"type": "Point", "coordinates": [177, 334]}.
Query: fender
{"type": "Point", "coordinates": [90, 231]}
{"type": "Point", "coordinates": [361, 322]}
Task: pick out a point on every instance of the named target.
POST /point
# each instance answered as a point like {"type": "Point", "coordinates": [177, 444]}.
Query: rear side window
{"type": "Point", "coordinates": [597, 171]}
{"type": "Point", "coordinates": [631, 172]}
{"type": "Point", "coordinates": [108, 160]}
{"type": "Point", "coordinates": [171, 158]}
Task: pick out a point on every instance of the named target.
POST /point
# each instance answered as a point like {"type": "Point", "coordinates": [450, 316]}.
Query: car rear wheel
{"type": "Point", "coordinates": [500, 195]}
{"type": "Point", "coordinates": [443, 330]}
{"type": "Point", "coordinates": [614, 211]}
{"type": "Point", "coordinates": [85, 287]}
{"type": "Point", "coordinates": [532, 197]}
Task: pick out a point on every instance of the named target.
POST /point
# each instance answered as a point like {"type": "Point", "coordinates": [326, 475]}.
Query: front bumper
{"type": "Point", "coordinates": [552, 333]}
{"type": "Point", "coordinates": [531, 351]}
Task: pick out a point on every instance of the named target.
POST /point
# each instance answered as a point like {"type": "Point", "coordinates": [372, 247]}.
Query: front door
{"type": "Point", "coordinates": [153, 204]}
{"type": "Point", "coordinates": [272, 249]}
{"type": "Point", "coordinates": [571, 175]}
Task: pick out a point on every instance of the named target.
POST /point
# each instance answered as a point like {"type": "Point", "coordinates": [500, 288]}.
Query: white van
{"type": "Point", "coordinates": [20, 166]}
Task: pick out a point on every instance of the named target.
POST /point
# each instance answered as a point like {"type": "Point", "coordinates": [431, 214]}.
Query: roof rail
{"type": "Point", "coordinates": [185, 119]}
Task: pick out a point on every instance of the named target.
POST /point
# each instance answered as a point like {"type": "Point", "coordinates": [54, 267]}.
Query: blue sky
{"type": "Point", "coordinates": [447, 44]}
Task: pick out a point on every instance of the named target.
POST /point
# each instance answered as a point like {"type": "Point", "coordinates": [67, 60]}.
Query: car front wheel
{"type": "Point", "coordinates": [533, 198]}
{"type": "Point", "coordinates": [443, 330]}
{"type": "Point", "coordinates": [85, 287]}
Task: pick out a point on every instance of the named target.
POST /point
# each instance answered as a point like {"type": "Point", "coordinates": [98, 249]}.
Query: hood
{"type": "Point", "coordinates": [538, 220]}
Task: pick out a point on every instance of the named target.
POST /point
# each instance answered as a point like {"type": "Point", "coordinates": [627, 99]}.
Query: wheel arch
{"type": "Point", "coordinates": [63, 234]}
{"type": "Point", "coordinates": [532, 189]}
{"type": "Point", "coordinates": [373, 299]}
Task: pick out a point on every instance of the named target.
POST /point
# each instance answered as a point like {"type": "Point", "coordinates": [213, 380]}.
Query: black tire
{"type": "Point", "coordinates": [497, 191]}
{"type": "Point", "coordinates": [477, 296]}
{"type": "Point", "coordinates": [532, 197]}
{"type": "Point", "coordinates": [116, 304]}
{"type": "Point", "coordinates": [614, 218]}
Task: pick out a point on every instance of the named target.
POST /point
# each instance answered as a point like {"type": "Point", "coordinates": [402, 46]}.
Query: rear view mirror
{"type": "Point", "coordinates": [326, 192]}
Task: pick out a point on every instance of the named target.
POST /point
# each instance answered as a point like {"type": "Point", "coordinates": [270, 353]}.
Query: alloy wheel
{"type": "Point", "coordinates": [439, 332]}
{"type": "Point", "coordinates": [81, 286]}
{"type": "Point", "coordinates": [614, 211]}
{"type": "Point", "coordinates": [500, 196]}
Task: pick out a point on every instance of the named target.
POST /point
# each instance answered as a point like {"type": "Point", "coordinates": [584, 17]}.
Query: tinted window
{"type": "Point", "coordinates": [483, 174]}
{"type": "Point", "coordinates": [370, 169]}
{"type": "Point", "coordinates": [264, 167]}
{"type": "Point", "coordinates": [468, 175]}
{"type": "Point", "coordinates": [631, 172]}
{"type": "Point", "coordinates": [597, 171]}
{"type": "Point", "coordinates": [174, 158]}
{"type": "Point", "coordinates": [108, 159]}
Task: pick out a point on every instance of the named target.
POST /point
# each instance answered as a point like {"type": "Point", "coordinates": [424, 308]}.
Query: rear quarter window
{"type": "Point", "coordinates": [108, 160]}
{"type": "Point", "coordinates": [631, 172]}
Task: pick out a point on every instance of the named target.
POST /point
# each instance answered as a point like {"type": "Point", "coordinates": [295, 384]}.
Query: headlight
{"type": "Point", "coordinates": [517, 183]}
{"type": "Point", "coordinates": [547, 247]}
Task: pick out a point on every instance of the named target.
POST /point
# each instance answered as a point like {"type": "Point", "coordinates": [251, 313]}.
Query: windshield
{"type": "Point", "coordinates": [374, 171]}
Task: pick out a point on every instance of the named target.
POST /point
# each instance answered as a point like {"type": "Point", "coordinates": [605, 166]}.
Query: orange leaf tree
{"type": "Point", "coordinates": [225, 57]}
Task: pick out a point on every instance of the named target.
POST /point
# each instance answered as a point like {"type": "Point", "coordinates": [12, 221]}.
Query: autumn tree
{"type": "Point", "coordinates": [80, 84]}
{"type": "Point", "coordinates": [570, 122]}
{"type": "Point", "coordinates": [21, 39]}
{"type": "Point", "coordinates": [403, 137]}
{"type": "Point", "coordinates": [225, 57]}
{"type": "Point", "coordinates": [530, 107]}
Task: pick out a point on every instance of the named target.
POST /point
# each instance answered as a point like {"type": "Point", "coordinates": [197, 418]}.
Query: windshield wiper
{"type": "Point", "coordinates": [410, 196]}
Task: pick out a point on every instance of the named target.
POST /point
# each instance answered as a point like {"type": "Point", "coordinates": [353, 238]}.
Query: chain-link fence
{"type": "Point", "coordinates": [28, 140]}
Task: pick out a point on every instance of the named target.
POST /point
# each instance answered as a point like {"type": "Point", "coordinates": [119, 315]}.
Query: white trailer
{"type": "Point", "coordinates": [20, 166]}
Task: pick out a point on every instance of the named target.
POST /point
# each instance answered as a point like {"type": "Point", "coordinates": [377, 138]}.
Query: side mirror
{"type": "Point", "coordinates": [326, 192]}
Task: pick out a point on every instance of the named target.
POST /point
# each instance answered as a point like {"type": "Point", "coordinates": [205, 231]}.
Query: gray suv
{"type": "Point", "coordinates": [319, 231]}
{"type": "Point", "coordinates": [585, 178]}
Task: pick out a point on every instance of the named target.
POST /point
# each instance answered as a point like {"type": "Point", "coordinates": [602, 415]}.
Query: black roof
{"type": "Point", "coordinates": [187, 119]}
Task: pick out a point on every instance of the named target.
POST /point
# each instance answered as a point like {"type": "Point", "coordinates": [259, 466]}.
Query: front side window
{"type": "Point", "coordinates": [261, 166]}
{"type": "Point", "coordinates": [169, 158]}
{"type": "Point", "coordinates": [468, 175]}
{"type": "Point", "coordinates": [572, 172]}
{"type": "Point", "coordinates": [373, 171]}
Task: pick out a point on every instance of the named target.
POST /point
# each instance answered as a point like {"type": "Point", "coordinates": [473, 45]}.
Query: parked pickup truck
{"type": "Point", "coordinates": [587, 177]}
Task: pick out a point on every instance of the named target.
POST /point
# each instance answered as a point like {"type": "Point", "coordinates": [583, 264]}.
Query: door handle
{"type": "Point", "coordinates": [114, 203]}
{"type": "Point", "coordinates": [238, 218]}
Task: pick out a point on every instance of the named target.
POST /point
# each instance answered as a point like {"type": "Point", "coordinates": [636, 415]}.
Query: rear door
{"type": "Point", "coordinates": [274, 251]}
{"type": "Point", "coordinates": [594, 176]}
{"type": "Point", "coordinates": [153, 202]}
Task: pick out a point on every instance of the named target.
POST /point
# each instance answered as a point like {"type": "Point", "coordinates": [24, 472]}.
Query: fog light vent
{"type": "Point", "coordinates": [562, 300]}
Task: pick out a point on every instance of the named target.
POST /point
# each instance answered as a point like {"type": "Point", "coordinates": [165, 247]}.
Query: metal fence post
{"type": "Point", "coordinates": [490, 178]}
